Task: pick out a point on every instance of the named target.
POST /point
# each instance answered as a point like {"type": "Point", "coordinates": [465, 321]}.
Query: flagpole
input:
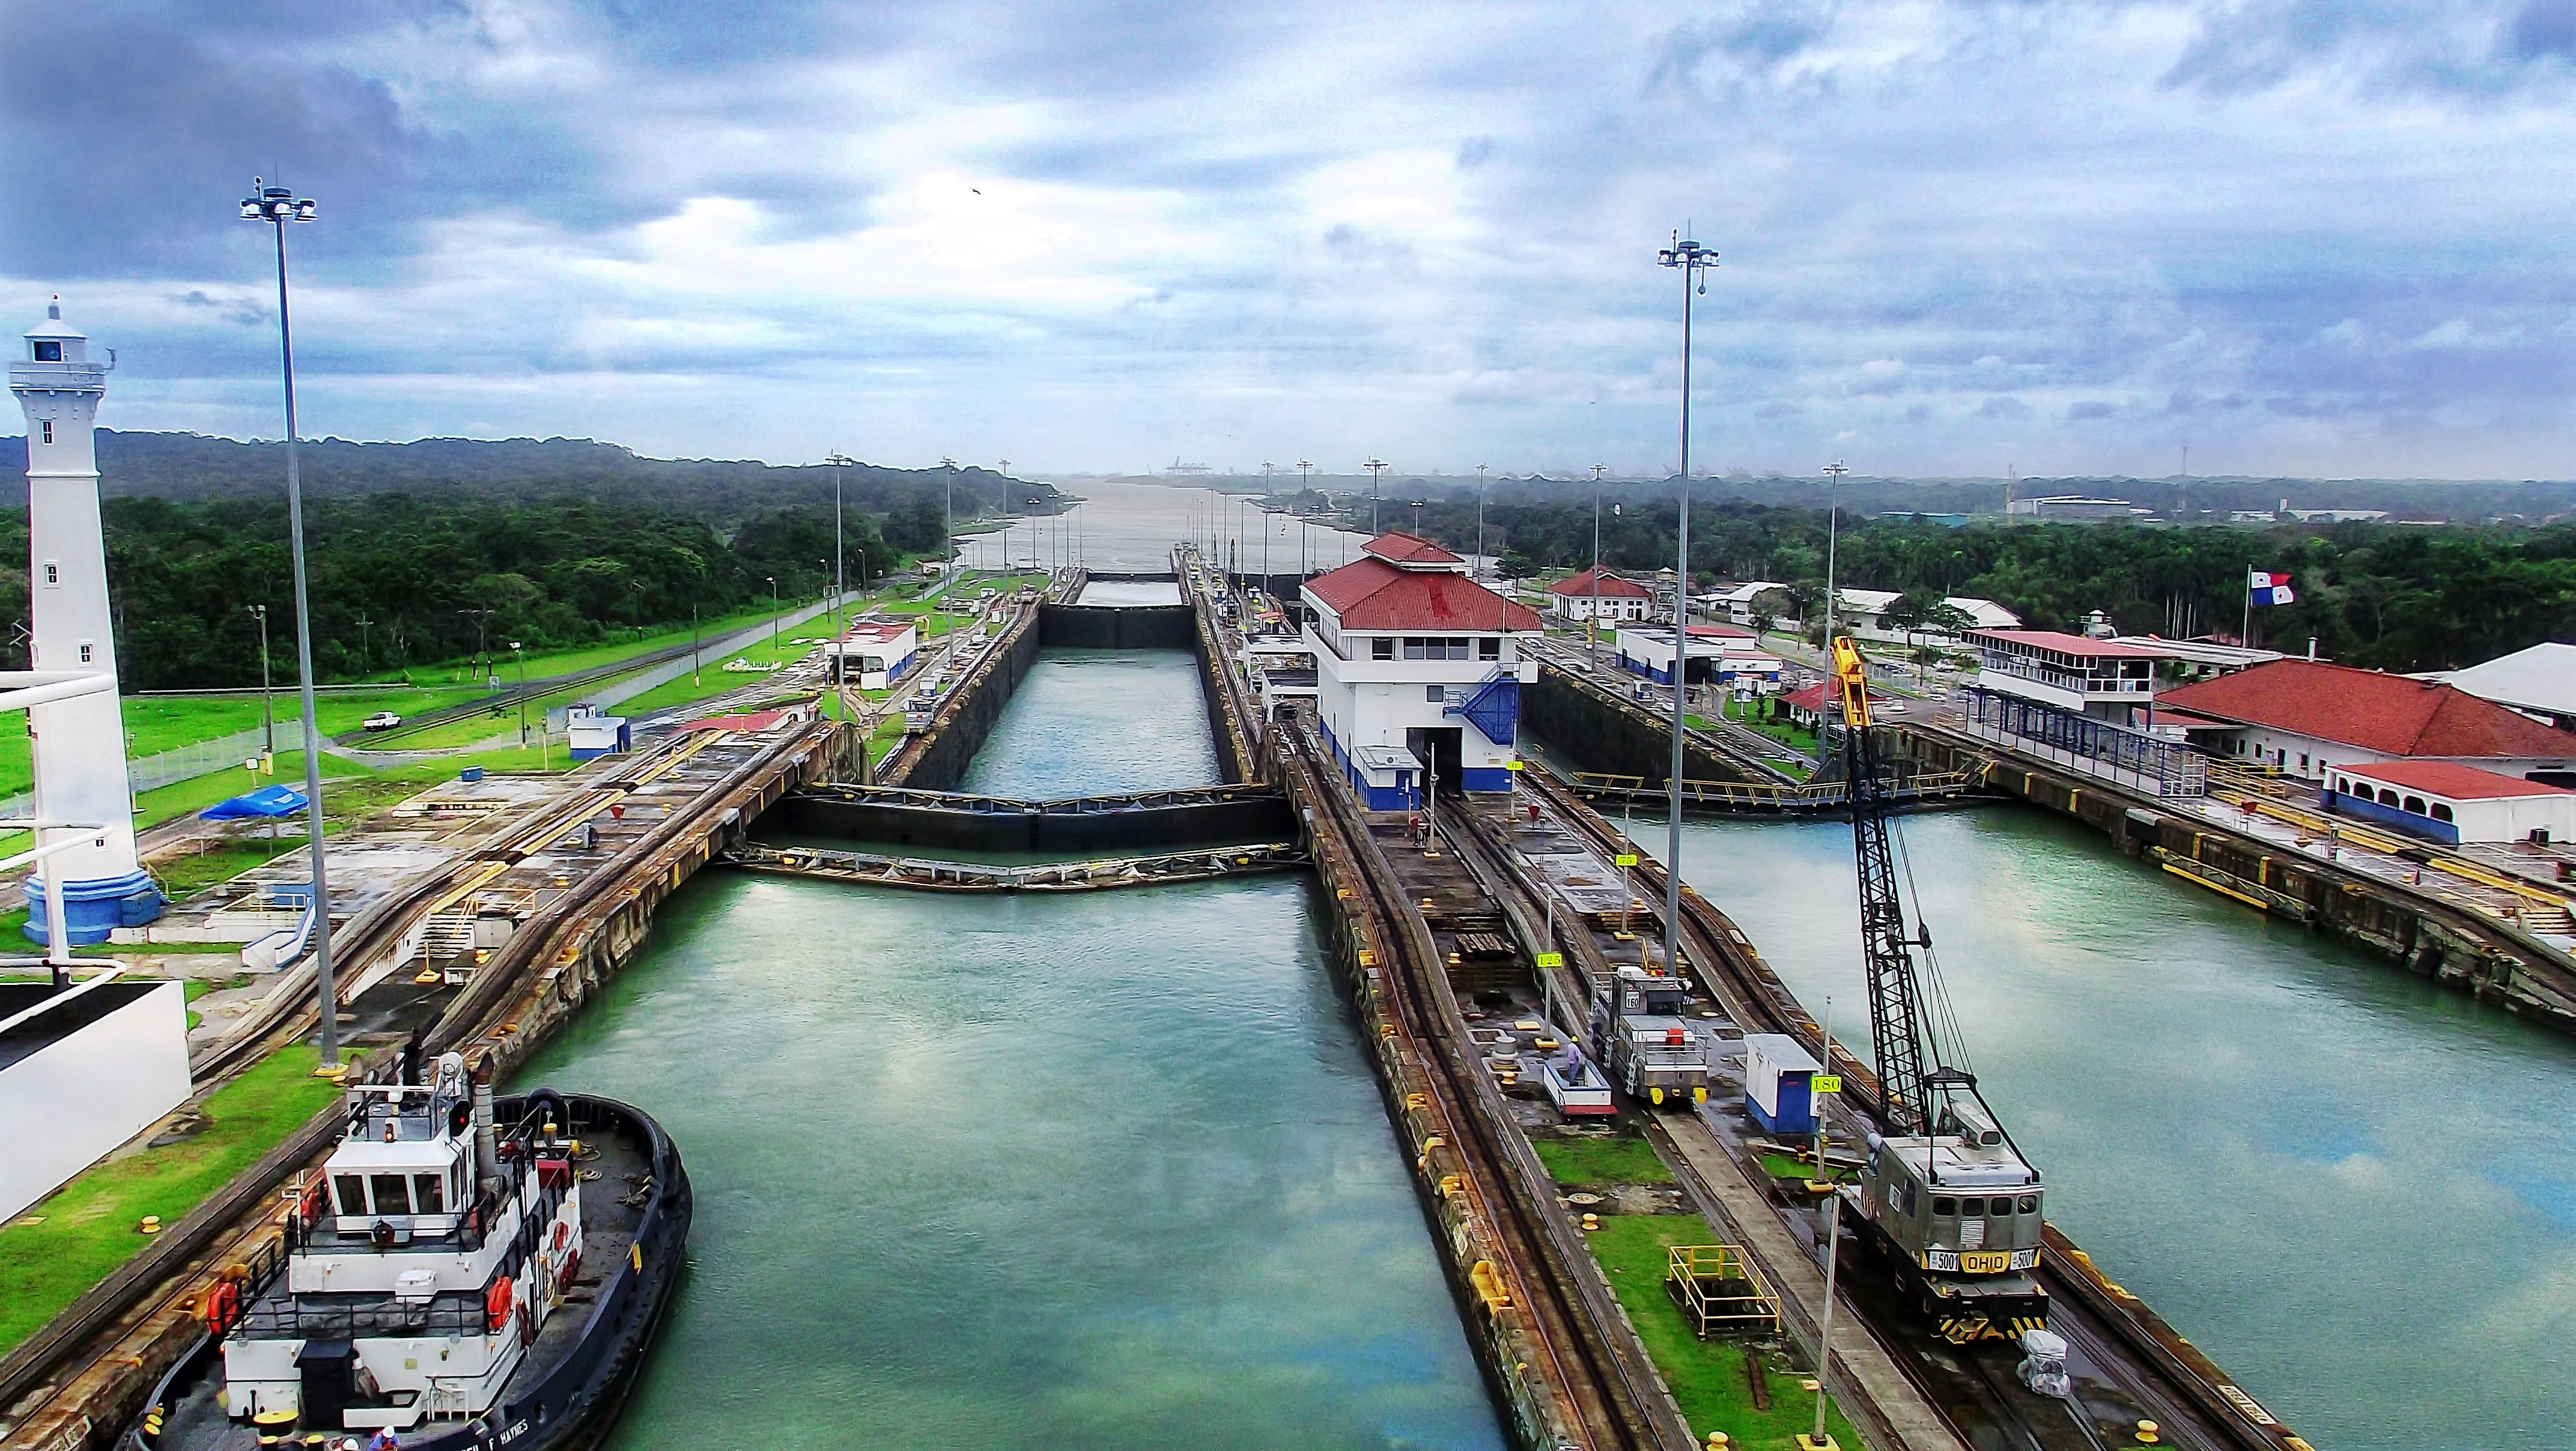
{"type": "Point", "coordinates": [2245, 632]}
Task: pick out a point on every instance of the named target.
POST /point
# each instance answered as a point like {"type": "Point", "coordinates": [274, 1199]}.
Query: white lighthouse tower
{"type": "Point", "coordinates": [79, 741]}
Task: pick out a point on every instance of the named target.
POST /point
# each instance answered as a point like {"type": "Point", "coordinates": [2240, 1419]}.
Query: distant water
{"type": "Point", "coordinates": [2356, 1190]}
{"type": "Point", "coordinates": [1131, 528]}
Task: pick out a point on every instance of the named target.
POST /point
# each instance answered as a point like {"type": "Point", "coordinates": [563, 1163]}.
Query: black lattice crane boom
{"type": "Point", "coordinates": [1898, 1029]}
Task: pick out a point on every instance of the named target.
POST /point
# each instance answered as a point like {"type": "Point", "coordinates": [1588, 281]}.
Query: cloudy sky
{"type": "Point", "coordinates": [2311, 236]}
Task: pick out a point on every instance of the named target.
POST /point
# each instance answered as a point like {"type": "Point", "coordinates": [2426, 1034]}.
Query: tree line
{"type": "Point", "coordinates": [402, 580]}
{"type": "Point", "coordinates": [2394, 597]}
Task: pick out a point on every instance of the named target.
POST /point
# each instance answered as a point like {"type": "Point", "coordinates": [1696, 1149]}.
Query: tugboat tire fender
{"type": "Point", "coordinates": [496, 1305]}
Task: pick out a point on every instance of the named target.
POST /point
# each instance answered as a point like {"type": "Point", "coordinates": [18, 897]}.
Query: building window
{"type": "Point", "coordinates": [1381, 649]}
{"type": "Point", "coordinates": [48, 351]}
{"type": "Point", "coordinates": [1436, 694]}
{"type": "Point", "coordinates": [2442, 812]}
{"type": "Point", "coordinates": [2303, 765]}
{"type": "Point", "coordinates": [85, 652]}
{"type": "Point", "coordinates": [2416, 805]}
{"type": "Point", "coordinates": [53, 574]}
{"type": "Point", "coordinates": [49, 430]}
{"type": "Point", "coordinates": [1490, 648]}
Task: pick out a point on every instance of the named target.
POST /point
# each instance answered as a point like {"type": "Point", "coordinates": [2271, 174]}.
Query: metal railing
{"type": "Point", "coordinates": [1740, 795]}
{"type": "Point", "coordinates": [2115, 753]}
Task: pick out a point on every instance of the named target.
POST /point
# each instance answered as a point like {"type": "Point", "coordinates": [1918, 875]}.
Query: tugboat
{"type": "Point", "coordinates": [466, 1272]}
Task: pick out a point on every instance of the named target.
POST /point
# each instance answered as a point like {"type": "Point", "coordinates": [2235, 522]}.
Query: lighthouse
{"type": "Point", "coordinates": [79, 741]}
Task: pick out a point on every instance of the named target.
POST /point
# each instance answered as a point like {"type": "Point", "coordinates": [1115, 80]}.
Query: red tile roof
{"type": "Point", "coordinates": [2066, 644]}
{"type": "Point", "coordinates": [2449, 778]}
{"type": "Point", "coordinates": [1405, 548]}
{"type": "Point", "coordinates": [1371, 594]}
{"type": "Point", "coordinates": [1612, 587]}
{"type": "Point", "coordinates": [2391, 715]}
{"type": "Point", "coordinates": [1720, 632]}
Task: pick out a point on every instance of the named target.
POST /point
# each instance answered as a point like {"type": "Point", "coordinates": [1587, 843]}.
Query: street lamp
{"type": "Point", "coordinates": [773, 610]}
{"type": "Point", "coordinates": [948, 509]}
{"type": "Point", "coordinates": [1592, 623]}
{"type": "Point", "coordinates": [1417, 515]}
{"type": "Point", "coordinates": [519, 651]}
{"type": "Point", "coordinates": [840, 588]}
{"type": "Point", "coordinates": [1480, 512]}
{"type": "Point", "coordinates": [1375, 466]}
{"type": "Point", "coordinates": [1693, 262]}
{"type": "Point", "coordinates": [267, 715]}
{"type": "Point", "coordinates": [1833, 522]}
{"type": "Point", "coordinates": [276, 206]}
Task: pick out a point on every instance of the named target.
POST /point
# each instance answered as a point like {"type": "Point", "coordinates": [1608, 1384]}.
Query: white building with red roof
{"type": "Point", "coordinates": [2306, 718]}
{"type": "Point", "coordinates": [1599, 594]}
{"type": "Point", "coordinates": [2452, 803]}
{"type": "Point", "coordinates": [1413, 657]}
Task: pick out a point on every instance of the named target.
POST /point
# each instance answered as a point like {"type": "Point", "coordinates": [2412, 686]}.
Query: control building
{"type": "Point", "coordinates": [79, 741]}
{"type": "Point", "coordinates": [1413, 655]}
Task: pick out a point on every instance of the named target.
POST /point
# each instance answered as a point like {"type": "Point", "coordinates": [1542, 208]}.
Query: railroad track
{"type": "Point", "coordinates": [2175, 1385]}
{"type": "Point", "coordinates": [1612, 1399]}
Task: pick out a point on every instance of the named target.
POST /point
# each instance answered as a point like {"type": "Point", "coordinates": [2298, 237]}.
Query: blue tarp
{"type": "Point", "coordinates": [266, 801]}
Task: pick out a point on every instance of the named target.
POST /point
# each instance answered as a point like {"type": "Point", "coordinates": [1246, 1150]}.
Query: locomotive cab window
{"type": "Point", "coordinates": [1972, 1208]}
{"type": "Point", "coordinates": [2030, 1204]}
{"type": "Point", "coordinates": [1944, 1208]}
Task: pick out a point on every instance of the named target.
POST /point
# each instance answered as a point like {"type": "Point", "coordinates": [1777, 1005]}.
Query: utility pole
{"type": "Point", "coordinates": [1693, 261]}
{"type": "Point", "coordinates": [948, 510]}
{"type": "Point", "coordinates": [1832, 1206]}
{"type": "Point", "coordinates": [1305, 517]}
{"type": "Point", "coordinates": [267, 712]}
{"type": "Point", "coordinates": [1375, 467]}
{"type": "Point", "coordinates": [276, 205]}
{"type": "Point", "coordinates": [366, 661]}
{"type": "Point", "coordinates": [773, 610]}
{"type": "Point", "coordinates": [519, 650]}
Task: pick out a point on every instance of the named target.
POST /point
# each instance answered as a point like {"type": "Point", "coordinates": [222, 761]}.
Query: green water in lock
{"type": "Point", "coordinates": [1094, 1170]}
{"type": "Point", "coordinates": [2355, 1189]}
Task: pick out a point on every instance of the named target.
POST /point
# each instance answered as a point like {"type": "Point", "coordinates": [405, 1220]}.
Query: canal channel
{"type": "Point", "coordinates": [1096, 1170]}
{"type": "Point", "coordinates": [2354, 1189]}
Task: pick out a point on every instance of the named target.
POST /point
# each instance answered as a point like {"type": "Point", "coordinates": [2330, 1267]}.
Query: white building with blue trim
{"type": "Point", "coordinates": [1412, 656]}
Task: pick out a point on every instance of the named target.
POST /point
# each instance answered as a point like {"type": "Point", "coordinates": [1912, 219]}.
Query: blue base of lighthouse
{"type": "Point", "coordinates": [93, 909]}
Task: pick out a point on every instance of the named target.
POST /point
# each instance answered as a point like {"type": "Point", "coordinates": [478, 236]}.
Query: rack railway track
{"type": "Point", "coordinates": [2175, 1385]}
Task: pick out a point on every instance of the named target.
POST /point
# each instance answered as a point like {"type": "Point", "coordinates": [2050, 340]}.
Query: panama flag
{"type": "Point", "coordinates": [2269, 589]}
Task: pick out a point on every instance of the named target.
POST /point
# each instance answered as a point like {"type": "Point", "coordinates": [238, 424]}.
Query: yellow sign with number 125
{"type": "Point", "coordinates": [1551, 959]}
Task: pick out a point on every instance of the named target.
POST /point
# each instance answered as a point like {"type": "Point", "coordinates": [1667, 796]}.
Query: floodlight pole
{"type": "Point", "coordinates": [267, 712]}
{"type": "Point", "coordinates": [276, 205]}
{"type": "Point", "coordinates": [1375, 467]}
{"type": "Point", "coordinates": [840, 589]}
{"type": "Point", "coordinates": [1693, 261]}
{"type": "Point", "coordinates": [1592, 623]}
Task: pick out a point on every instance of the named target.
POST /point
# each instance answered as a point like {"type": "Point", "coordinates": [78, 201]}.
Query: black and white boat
{"type": "Point", "coordinates": [468, 1271]}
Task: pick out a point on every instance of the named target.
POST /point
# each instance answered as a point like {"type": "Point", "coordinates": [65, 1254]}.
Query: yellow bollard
{"type": "Point", "coordinates": [152, 1224]}
{"type": "Point", "coordinates": [2147, 1433]}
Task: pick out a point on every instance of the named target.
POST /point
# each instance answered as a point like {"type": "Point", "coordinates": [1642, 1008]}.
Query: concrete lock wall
{"type": "Point", "coordinates": [1250, 818]}
{"type": "Point", "coordinates": [1600, 735]}
{"type": "Point", "coordinates": [942, 763]}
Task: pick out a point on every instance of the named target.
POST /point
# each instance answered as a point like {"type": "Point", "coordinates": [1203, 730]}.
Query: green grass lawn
{"type": "Point", "coordinates": [624, 646]}
{"type": "Point", "coordinates": [88, 1226]}
{"type": "Point", "coordinates": [1600, 1161]}
{"type": "Point", "coordinates": [1709, 1378]}
{"type": "Point", "coordinates": [157, 723]}
{"type": "Point", "coordinates": [711, 681]}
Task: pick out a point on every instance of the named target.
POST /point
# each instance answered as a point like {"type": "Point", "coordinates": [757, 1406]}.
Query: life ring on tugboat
{"type": "Point", "coordinates": [223, 1306]}
{"type": "Point", "coordinates": [496, 1305]}
{"type": "Point", "coordinates": [563, 1232]}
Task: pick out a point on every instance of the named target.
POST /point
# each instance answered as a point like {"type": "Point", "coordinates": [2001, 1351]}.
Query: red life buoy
{"type": "Point", "coordinates": [563, 1232]}
{"type": "Point", "coordinates": [496, 1305]}
{"type": "Point", "coordinates": [223, 1305]}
